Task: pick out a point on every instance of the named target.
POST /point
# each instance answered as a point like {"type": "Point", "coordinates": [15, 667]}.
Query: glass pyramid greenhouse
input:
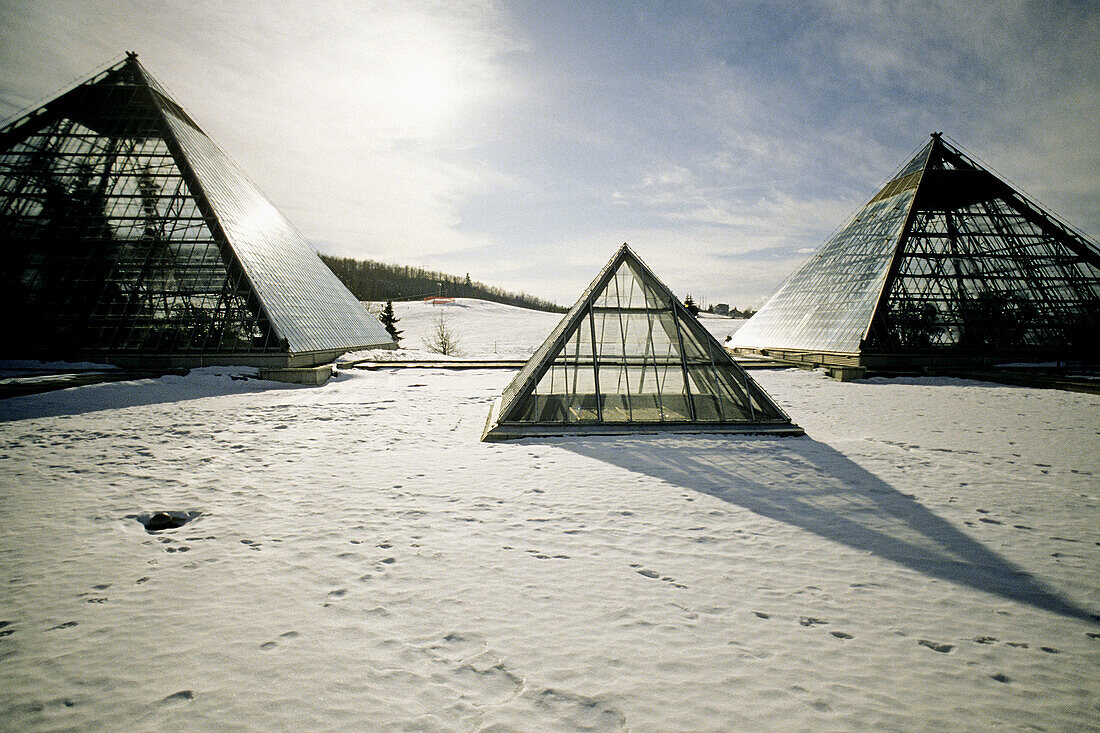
{"type": "Point", "coordinates": [130, 237]}
{"type": "Point", "coordinates": [946, 264]}
{"type": "Point", "coordinates": [628, 357]}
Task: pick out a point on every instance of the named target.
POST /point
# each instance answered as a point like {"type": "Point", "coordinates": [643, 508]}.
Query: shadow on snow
{"type": "Point", "coordinates": [810, 485]}
{"type": "Point", "coordinates": [134, 393]}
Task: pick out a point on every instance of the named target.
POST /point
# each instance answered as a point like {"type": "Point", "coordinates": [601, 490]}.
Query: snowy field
{"type": "Point", "coordinates": [486, 330]}
{"type": "Point", "coordinates": [924, 559]}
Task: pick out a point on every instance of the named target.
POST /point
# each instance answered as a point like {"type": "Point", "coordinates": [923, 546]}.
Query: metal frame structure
{"type": "Point", "coordinates": [946, 265]}
{"type": "Point", "coordinates": [130, 237]}
{"type": "Point", "coordinates": [629, 358]}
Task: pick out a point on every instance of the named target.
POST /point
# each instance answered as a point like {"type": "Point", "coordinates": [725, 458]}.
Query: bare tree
{"type": "Point", "coordinates": [442, 339]}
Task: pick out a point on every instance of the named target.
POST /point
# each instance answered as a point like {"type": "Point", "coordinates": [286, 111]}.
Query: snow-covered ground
{"type": "Point", "coordinates": [924, 559]}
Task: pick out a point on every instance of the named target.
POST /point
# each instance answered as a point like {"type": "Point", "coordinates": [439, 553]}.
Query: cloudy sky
{"type": "Point", "coordinates": [523, 141]}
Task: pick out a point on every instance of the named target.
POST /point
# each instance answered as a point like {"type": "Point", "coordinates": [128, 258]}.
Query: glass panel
{"type": "Point", "coordinates": [645, 395]}
{"type": "Point", "coordinates": [704, 394]}
{"type": "Point", "coordinates": [674, 397]}
{"type": "Point", "coordinates": [695, 348]}
{"type": "Point", "coordinates": [609, 335]}
{"type": "Point", "coordinates": [614, 394]}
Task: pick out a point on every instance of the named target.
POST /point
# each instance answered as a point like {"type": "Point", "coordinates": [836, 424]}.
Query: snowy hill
{"type": "Point", "coordinates": [487, 330]}
{"type": "Point", "coordinates": [924, 559]}
{"type": "Point", "coordinates": [484, 330]}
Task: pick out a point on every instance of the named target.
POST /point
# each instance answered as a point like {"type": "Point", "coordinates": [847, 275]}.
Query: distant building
{"type": "Point", "coordinates": [130, 237]}
{"type": "Point", "coordinates": [722, 309]}
{"type": "Point", "coordinates": [629, 358]}
{"type": "Point", "coordinates": [945, 265]}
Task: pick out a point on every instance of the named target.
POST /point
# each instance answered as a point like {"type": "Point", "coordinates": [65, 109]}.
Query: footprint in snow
{"type": "Point", "coordinates": [810, 621]}
{"type": "Point", "coordinates": [657, 576]}
{"type": "Point", "coordinates": [485, 679]}
{"type": "Point", "coordinates": [269, 645]}
{"type": "Point", "coordinates": [936, 647]}
{"type": "Point", "coordinates": [578, 712]}
{"type": "Point", "coordinates": [457, 646]}
{"type": "Point", "coordinates": [178, 698]}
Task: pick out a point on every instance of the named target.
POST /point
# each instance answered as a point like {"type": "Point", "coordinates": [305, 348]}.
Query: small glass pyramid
{"type": "Point", "coordinates": [627, 358]}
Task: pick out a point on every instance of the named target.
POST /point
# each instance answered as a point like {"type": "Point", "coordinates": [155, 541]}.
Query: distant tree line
{"type": "Point", "coordinates": [719, 309]}
{"type": "Point", "coordinates": [730, 311]}
{"type": "Point", "coordinates": [377, 281]}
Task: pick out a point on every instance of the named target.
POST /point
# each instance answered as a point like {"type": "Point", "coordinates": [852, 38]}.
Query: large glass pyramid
{"type": "Point", "coordinates": [628, 358]}
{"type": "Point", "coordinates": [945, 261]}
{"type": "Point", "coordinates": [130, 237]}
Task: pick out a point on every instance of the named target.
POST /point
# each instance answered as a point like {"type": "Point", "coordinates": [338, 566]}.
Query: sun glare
{"type": "Point", "coordinates": [422, 88]}
{"type": "Point", "coordinates": [418, 74]}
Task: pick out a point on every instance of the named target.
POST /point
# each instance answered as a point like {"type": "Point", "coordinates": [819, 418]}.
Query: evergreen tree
{"type": "Point", "coordinates": [689, 303]}
{"type": "Point", "coordinates": [389, 320]}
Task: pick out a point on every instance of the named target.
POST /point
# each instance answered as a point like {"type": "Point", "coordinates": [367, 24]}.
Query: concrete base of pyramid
{"type": "Point", "coordinates": [846, 373]}
{"type": "Point", "coordinates": [299, 375]}
{"type": "Point", "coordinates": [497, 432]}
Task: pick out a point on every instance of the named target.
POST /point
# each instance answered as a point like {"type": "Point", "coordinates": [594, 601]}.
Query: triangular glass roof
{"type": "Point", "coordinates": [945, 258]}
{"type": "Point", "coordinates": [130, 232]}
{"type": "Point", "coordinates": [629, 357]}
